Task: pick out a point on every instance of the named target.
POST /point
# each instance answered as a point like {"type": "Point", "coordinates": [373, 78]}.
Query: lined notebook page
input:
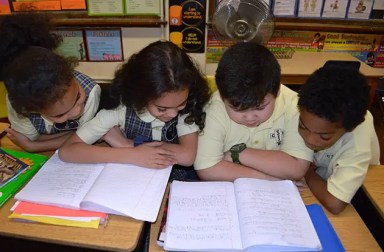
{"type": "Point", "coordinates": [273, 213]}
{"type": "Point", "coordinates": [60, 183]}
{"type": "Point", "coordinates": [128, 190]}
{"type": "Point", "coordinates": [202, 215]}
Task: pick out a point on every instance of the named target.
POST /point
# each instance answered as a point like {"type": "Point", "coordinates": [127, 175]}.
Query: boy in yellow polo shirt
{"type": "Point", "coordinates": [335, 123]}
{"type": "Point", "coordinates": [251, 121]}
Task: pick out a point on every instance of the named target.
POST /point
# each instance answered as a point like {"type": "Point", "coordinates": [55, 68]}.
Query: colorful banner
{"type": "Point", "coordinates": [365, 47]}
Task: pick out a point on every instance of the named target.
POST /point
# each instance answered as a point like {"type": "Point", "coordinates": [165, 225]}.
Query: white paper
{"type": "Point", "coordinates": [360, 9]}
{"type": "Point", "coordinates": [273, 213]}
{"type": "Point", "coordinates": [335, 8]}
{"type": "Point", "coordinates": [251, 215]}
{"type": "Point", "coordinates": [284, 7]}
{"type": "Point", "coordinates": [310, 8]}
{"type": "Point", "coordinates": [111, 188]}
{"type": "Point", "coordinates": [202, 216]}
{"type": "Point", "coordinates": [60, 183]}
{"type": "Point", "coordinates": [128, 190]}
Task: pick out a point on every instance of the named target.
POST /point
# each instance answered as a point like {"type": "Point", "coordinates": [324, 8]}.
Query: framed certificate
{"type": "Point", "coordinates": [73, 44]}
{"type": "Point", "coordinates": [104, 45]}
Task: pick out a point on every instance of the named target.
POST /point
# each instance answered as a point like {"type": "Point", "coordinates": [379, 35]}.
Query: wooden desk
{"type": "Point", "coordinates": [351, 230]}
{"type": "Point", "coordinates": [302, 64]}
{"type": "Point", "coordinates": [374, 187]}
{"type": "Point", "coordinates": [120, 234]}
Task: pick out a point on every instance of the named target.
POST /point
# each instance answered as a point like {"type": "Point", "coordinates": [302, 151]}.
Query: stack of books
{"type": "Point", "coordinates": [82, 195]}
{"type": "Point", "coordinates": [27, 211]}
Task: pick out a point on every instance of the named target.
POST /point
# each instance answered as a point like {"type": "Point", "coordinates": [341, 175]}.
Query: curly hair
{"type": "Point", "coordinates": [246, 73]}
{"type": "Point", "coordinates": [35, 77]}
{"type": "Point", "coordinates": [337, 95]}
{"type": "Point", "coordinates": [158, 68]}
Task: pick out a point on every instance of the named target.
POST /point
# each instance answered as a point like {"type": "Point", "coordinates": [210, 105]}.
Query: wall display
{"type": "Point", "coordinates": [284, 7]}
{"type": "Point", "coordinates": [360, 9]}
{"type": "Point", "coordinates": [377, 9]}
{"type": "Point", "coordinates": [310, 8]}
{"type": "Point", "coordinates": [104, 45]}
{"type": "Point", "coordinates": [36, 5]}
{"type": "Point", "coordinates": [335, 8]}
{"type": "Point", "coordinates": [139, 7]}
{"type": "Point", "coordinates": [105, 7]}
{"type": "Point", "coordinates": [379, 57]}
{"type": "Point", "coordinates": [73, 44]}
{"type": "Point", "coordinates": [4, 7]}
{"type": "Point", "coordinates": [187, 24]}
{"type": "Point", "coordinates": [73, 5]}
{"type": "Point", "coordinates": [365, 47]}
{"type": "Point", "coordinates": [297, 40]}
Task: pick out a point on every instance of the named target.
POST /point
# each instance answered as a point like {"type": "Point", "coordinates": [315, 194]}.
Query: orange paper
{"type": "Point", "coordinates": [37, 5]}
{"type": "Point", "coordinates": [4, 10]}
{"type": "Point", "coordinates": [39, 209]}
{"type": "Point", "coordinates": [73, 5]}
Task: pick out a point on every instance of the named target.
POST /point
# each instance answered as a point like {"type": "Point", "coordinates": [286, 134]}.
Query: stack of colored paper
{"type": "Point", "coordinates": [26, 211]}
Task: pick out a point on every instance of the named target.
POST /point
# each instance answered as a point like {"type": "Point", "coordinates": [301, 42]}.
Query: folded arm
{"type": "Point", "coordinates": [42, 143]}
{"type": "Point", "coordinates": [318, 187]}
{"type": "Point", "coordinates": [275, 163]}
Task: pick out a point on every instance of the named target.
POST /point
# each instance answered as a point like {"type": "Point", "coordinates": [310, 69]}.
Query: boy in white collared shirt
{"type": "Point", "coordinates": [335, 123]}
{"type": "Point", "coordinates": [251, 121]}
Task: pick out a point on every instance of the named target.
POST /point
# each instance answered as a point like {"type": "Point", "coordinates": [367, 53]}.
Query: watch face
{"type": "Point", "coordinates": [238, 147]}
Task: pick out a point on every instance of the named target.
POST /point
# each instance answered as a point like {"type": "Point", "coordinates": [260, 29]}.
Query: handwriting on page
{"type": "Point", "coordinates": [266, 212]}
{"type": "Point", "coordinates": [205, 218]}
{"type": "Point", "coordinates": [61, 183]}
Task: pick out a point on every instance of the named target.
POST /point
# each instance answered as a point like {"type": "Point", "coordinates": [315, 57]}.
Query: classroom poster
{"type": "Point", "coordinates": [4, 7]}
{"type": "Point", "coordinates": [335, 8]}
{"type": "Point", "coordinates": [359, 9]}
{"type": "Point", "coordinates": [284, 8]}
{"type": "Point", "coordinates": [104, 45]}
{"type": "Point", "coordinates": [379, 57]}
{"type": "Point", "coordinates": [297, 40]}
{"type": "Point", "coordinates": [73, 44]}
{"type": "Point", "coordinates": [73, 5]}
{"type": "Point", "coordinates": [36, 5]}
{"type": "Point", "coordinates": [187, 24]}
{"type": "Point", "coordinates": [105, 7]}
{"type": "Point", "coordinates": [139, 7]}
{"type": "Point", "coordinates": [309, 8]}
{"type": "Point", "coordinates": [365, 47]}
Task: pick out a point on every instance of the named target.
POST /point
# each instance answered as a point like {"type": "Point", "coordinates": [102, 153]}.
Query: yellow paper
{"type": "Point", "coordinates": [57, 221]}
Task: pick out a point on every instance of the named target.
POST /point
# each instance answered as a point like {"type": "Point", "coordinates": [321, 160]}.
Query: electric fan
{"type": "Point", "coordinates": [243, 20]}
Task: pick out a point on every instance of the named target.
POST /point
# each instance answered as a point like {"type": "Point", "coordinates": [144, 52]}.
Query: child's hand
{"type": "Point", "coordinates": [153, 155]}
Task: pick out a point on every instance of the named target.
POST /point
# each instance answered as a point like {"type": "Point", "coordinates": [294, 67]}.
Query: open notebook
{"type": "Point", "coordinates": [120, 189]}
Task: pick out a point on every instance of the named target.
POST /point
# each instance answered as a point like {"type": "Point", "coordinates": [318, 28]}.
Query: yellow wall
{"type": "Point", "coordinates": [3, 107]}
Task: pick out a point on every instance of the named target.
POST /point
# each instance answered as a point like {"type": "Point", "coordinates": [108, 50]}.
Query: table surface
{"type": "Point", "coordinates": [348, 225]}
{"type": "Point", "coordinates": [119, 234]}
{"type": "Point", "coordinates": [374, 187]}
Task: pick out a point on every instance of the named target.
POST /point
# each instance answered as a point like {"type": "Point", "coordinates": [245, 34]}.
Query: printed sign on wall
{"type": "Point", "coordinates": [187, 24]}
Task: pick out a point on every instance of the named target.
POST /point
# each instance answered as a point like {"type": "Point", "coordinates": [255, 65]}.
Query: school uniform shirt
{"type": "Point", "coordinates": [279, 132]}
{"type": "Point", "coordinates": [345, 164]}
{"type": "Point", "coordinates": [107, 119]}
{"type": "Point", "coordinates": [32, 127]}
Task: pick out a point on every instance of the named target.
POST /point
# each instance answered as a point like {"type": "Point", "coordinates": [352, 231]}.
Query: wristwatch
{"type": "Point", "coordinates": [235, 151]}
